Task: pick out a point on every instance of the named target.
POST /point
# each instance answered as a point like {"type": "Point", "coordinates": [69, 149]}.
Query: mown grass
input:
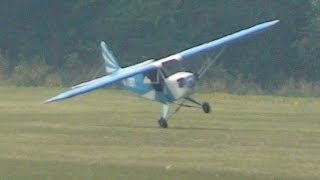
{"type": "Point", "coordinates": [109, 134]}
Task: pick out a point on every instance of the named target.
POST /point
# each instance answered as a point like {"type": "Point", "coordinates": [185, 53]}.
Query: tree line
{"type": "Point", "coordinates": [56, 43]}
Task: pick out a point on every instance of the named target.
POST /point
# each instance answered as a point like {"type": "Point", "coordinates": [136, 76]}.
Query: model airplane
{"type": "Point", "coordinates": [151, 79]}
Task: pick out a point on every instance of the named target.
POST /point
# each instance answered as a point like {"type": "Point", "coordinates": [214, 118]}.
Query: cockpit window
{"type": "Point", "coordinates": [170, 67]}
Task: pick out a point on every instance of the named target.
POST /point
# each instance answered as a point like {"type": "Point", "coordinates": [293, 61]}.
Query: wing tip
{"type": "Point", "coordinates": [49, 101]}
{"type": "Point", "coordinates": [274, 21]}
{"type": "Point", "coordinates": [56, 98]}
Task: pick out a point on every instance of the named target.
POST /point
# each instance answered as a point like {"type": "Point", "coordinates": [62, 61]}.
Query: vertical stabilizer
{"type": "Point", "coordinates": [111, 63]}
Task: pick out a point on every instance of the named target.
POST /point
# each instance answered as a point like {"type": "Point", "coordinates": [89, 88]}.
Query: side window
{"type": "Point", "coordinates": [156, 82]}
{"type": "Point", "coordinates": [170, 67]}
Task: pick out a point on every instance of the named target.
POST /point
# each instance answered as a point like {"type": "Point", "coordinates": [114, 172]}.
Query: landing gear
{"type": "Point", "coordinates": [163, 123]}
{"type": "Point", "coordinates": [206, 107]}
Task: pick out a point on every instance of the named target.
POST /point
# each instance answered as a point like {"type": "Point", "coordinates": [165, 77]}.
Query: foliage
{"type": "Point", "coordinates": [309, 45]}
{"type": "Point", "coordinates": [66, 35]}
{"type": "Point", "coordinates": [30, 73]}
{"type": "Point", "coordinates": [4, 68]}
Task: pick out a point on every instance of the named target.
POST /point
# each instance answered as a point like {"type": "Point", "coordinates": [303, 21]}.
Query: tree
{"type": "Point", "coordinates": [309, 45]}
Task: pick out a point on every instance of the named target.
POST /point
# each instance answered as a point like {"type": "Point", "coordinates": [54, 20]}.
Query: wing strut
{"type": "Point", "coordinates": [210, 62]}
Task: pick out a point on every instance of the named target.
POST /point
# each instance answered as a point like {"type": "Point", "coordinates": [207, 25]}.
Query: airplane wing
{"type": "Point", "coordinates": [138, 69]}
{"type": "Point", "coordinates": [226, 40]}
{"type": "Point", "coordinates": [102, 82]}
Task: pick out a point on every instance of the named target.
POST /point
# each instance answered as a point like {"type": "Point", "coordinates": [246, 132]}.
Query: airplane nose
{"type": "Point", "coordinates": [191, 82]}
{"type": "Point", "coordinates": [187, 82]}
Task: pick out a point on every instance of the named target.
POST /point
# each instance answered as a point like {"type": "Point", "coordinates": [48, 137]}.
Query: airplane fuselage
{"type": "Point", "coordinates": [164, 90]}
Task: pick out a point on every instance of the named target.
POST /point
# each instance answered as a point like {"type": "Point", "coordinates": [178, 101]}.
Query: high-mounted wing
{"type": "Point", "coordinates": [226, 40]}
{"type": "Point", "coordinates": [222, 42]}
{"type": "Point", "coordinates": [102, 82]}
{"type": "Point", "coordinates": [138, 69]}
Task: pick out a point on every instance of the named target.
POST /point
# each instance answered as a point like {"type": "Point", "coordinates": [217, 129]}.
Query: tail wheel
{"type": "Point", "coordinates": [206, 107]}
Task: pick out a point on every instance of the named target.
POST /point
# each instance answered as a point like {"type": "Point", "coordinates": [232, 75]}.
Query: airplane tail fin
{"type": "Point", "coordinates": [111, 63]}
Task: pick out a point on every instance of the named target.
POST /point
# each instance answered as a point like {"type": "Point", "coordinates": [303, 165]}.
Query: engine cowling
{"type": "Point", "coordinates": [181, 84]}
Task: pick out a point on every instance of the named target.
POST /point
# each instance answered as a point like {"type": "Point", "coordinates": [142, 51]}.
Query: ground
{"type": "Point", "coordinates": [109, 134]}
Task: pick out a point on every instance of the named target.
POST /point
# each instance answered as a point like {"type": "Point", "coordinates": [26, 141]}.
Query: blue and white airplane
{"type": "Point", "coordinates": [151, 79]}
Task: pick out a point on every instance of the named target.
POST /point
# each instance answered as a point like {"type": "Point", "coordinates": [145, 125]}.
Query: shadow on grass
{"type": "Point", "coordinates": [171, 127]}
{"type": "Point", "coordinates": [197, 128]}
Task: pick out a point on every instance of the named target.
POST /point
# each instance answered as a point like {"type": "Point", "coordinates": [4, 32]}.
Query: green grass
{"type": "Point", "coordinates": [112, 135]}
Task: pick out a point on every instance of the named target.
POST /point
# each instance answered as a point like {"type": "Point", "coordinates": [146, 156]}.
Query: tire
{"type": "Point", "coordinates": [163, 123]}
{"type": "Point", "coordinates": [206, 107]}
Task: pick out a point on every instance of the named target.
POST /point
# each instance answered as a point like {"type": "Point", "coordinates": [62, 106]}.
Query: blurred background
{"type": "Point", "coordinates": [56, 43]}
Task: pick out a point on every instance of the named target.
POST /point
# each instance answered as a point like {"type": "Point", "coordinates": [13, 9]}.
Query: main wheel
{"type": "Point", "coordinates": [206, 107]}
{"type": "Point", "coordinates": [163, 123]}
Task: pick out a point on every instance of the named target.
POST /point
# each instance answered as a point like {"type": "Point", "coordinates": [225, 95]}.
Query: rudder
{"type": "Point", "coordinates": [111, 64]}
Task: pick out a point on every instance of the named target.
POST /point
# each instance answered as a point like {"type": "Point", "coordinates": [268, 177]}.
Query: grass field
{"type": "Point", "coordinates": [111, 135]}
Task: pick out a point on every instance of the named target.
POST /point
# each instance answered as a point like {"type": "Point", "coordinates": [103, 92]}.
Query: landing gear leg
{"type": "Point", "coordinates": [163, 121]}
{"type": "Point", "coordinates": [205, 106]}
